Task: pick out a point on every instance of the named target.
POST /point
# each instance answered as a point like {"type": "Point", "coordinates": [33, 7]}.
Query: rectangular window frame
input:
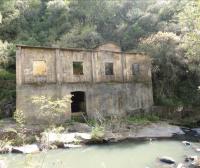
{"type": "Point", "coordinates": [135, 69]}
{"type": "Point", "coordinates": [41, 72]}
{"type": "Point", "coordinates": [75, 70]}
{"type": "Point", "coordinates": [109, 68]}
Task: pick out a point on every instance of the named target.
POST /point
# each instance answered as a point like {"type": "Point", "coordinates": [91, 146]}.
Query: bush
{"type": "Point", "coordinates": [6, 75]}
{"type": "Point", "coordinates": [7, 54]}
{"type": "Point", "coordinates": [7, 93]}
{"type": "Point", "coordinates": [98, 132]}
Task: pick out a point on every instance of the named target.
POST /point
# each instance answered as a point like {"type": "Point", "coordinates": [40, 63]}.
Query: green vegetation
{"type": "Point", "coordinates": [7, 92]}
{"type": "Point", "coordinates": [6, 75]}
{"type": "Point", "coordinates": [145, 119]}
{"type": "Point", "coordinates": [21, 136]}
{"type": "Point", "coordinates": [167, 30]}
{"type": "Point", "coordinates": [98, 132]}
{"type": "Point", "coordinates": [51, 109]}
{"type": "Point", "coordinates": [19, 118]}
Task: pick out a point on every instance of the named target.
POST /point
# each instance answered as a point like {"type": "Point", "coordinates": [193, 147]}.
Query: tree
{"type": "Point", "coordinates": [6, 54]}
{"type": "Point", "coordinates": [87, 23]}
{"type": "Point", "coordinates": [189, 19]}
{"type": "Point", "coordinates": [168, 64]}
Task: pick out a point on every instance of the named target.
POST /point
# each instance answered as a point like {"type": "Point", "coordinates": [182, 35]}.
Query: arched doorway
{"type": "Point", "coordinates": [78, 104]}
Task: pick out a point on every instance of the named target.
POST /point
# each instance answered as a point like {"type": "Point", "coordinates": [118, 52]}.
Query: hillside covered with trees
{"type": "Point", "coordinates": [167, 30]}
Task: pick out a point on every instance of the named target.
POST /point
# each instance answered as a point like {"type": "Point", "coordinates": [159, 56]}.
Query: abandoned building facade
{"type": "Point", "coordinates": [103, 81]}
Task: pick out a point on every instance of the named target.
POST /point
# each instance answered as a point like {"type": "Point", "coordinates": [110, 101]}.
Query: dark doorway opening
{"type": "Point", "coordinates": [78, 102]}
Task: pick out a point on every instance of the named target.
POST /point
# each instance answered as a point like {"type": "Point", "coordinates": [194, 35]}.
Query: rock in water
{"type": "Point", "coordinates": [195, 162]}
{"type": "Point", "coordinates": [191, 158]}
{"type": "Point", "coordinates": [26, 149]}
{"type": "Point", "coordinates": [64, 138]}
{"type": "Point", "coordinates": [83, 136]}
{"type": "Point", "coordinates": [167, 160]}
{"type": "Point", "coordinates": [72, 146]}
{"type": "Point", "coordinates": [186, 143]}
{"type": "Point", "coordinates": [197, 149]}
{"type": "Point", "coordinates": [197, 130]}
{"type": "Point", "coordinates": [181, 165]}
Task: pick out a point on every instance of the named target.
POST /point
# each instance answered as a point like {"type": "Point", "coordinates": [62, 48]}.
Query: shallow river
{"type": "Point", "coordinates": [123, 155]}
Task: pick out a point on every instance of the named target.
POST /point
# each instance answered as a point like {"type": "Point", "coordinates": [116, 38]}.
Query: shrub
{"type": "Point", "coordinates": [6, 75]}
{"type": "Point", "coordinates": [19, 118]}
{"type": "Point", "coordinates": [98, 132]}
{"type": "Point", "coordinates": [7, 51]}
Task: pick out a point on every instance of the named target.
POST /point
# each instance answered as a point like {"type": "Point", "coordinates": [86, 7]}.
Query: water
{"type": "Point", "coordinates": [123, 155]}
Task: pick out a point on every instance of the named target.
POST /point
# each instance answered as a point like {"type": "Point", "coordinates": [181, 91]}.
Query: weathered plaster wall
{"type": "Point", "coordinates": [101, 99]}
{"type": "Point", "coordinates": [29, 55]}
{"type": "Point", "coordinates": [68, 57]}
{"type": "Point", "coordinates": [119, 94]}
{"type": "Point", "coordinates": [99, 60]}
{"type": "Point", "coordinates": [145, 67]}
{"type": "Point", "coordinates": [30, 110]}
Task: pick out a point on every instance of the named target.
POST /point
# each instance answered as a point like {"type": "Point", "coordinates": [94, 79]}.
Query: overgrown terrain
{"type": "Point", "coordinates": [168, 30]}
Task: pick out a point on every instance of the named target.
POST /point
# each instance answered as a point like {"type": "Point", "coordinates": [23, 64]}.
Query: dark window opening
{"type": "Point", "coordinates": [109, 68]}
{"type": "Point", "coordinates": [135, 69]}
{"type": "Point", "coordinates": [78, 102]}
{"type": "Point", "coordinates": [78, 68]}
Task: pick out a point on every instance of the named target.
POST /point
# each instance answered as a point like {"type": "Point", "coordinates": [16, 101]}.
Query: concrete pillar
{"type": "Point", "coordinates": [59, 75]}
{"type": "Point", "coordinates": [18, 66]}
{"type": "Point", "coordinates": [92, 65]}
{"type": "Point", "coordinates": [123, 67]}
{"type": "Point", "coordinates": [94, 68]}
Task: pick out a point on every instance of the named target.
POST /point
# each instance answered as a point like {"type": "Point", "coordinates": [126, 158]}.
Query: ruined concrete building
{"type": "Point", "coordinates": [104, 81]}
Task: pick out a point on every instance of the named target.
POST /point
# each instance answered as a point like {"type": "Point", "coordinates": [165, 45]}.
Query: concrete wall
{"type": "Point", "coordinates": [119, 94]}
{"type": "Point", "coordinates": [99, 60]}
{"type": "Point", "coordinates": [145, 67]}
{"type": "Point", "coordinates": [30, 110]}
{"type": "Point", "coordinates": [101, 99]}
{"type": "Point", "coordinates": [68, 57]}
{"type": "Point", "coordinates": [59, 63]}
{"type": "Point", "coordinates": [29, 55]}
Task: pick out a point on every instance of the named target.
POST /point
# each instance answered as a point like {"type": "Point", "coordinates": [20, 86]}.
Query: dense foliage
{"type": "Point", "coordinates": [168, 30]}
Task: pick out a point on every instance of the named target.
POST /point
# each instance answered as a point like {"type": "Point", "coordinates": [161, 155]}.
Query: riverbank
{"type": "Point", "coordinates": [36, 139]}
{"type": "Point", "coordinates": [76, 134]}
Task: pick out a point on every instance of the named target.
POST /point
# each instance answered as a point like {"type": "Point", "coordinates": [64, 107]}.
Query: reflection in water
{"type": "Point", "coordinates": [123, 155]}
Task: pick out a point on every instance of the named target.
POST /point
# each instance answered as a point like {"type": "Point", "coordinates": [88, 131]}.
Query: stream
{"type": "Point", "coordinates": [119, 155]}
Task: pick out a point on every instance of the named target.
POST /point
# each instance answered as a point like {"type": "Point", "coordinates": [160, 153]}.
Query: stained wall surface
{"type": "Point", "coordinates": [49, 72]}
